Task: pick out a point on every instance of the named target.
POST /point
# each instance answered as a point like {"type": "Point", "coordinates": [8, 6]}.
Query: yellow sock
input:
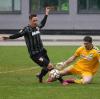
{"type": "Point", "coordinates": [78, 81]}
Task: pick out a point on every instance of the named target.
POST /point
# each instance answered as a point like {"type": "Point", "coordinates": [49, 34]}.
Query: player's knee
{"type": "Point", "coordinates": [86, 81]}
{"type": "Point", "coordinates": [82, 81]}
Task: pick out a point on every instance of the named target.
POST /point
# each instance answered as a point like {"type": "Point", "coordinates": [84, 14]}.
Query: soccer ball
{"type": "Point", "coordinates": [54, 73]}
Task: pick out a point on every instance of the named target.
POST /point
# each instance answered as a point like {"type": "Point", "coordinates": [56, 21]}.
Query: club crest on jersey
{"type": "Point", "coordinates": [35, 33]}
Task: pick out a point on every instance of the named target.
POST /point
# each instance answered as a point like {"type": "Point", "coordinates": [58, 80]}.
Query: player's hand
{"type": "Point", "coordinates": [2, 37]}
{"type": "Point", "coordinates": [47, 10]}
{"type": "Point", "coordinates": [60, 65]}
{"type": "Point", "coordinates": [5, 38]}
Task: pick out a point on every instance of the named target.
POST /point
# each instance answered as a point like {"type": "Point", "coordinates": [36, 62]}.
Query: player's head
{"type": "Point", "coordinates": [33, 20]}
{"type": "Point", "coordinates": [88, 42]}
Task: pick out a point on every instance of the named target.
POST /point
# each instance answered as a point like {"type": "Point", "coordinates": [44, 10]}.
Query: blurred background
{"type": "Point", "coordinates": [68, 17]}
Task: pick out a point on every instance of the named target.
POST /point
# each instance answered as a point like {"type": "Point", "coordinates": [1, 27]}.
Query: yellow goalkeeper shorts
{"type": "Point", "coordinates": [73, 70]}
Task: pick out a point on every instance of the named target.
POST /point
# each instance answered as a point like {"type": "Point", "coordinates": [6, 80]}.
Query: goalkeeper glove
{"type": "Point", "coordinates": [60, 65]}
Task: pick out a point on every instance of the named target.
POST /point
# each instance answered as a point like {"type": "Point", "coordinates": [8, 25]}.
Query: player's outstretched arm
{"type": "Point", "coordinates": [43, 22]}
{"type": "Point", "coordinates": [14, 36]}
{"type": "Point", "coordinates": [4, 37]}
{"type": "Point", "coordinates": [67, 62]}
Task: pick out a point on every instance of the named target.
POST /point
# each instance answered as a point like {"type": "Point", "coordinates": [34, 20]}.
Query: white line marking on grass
{"type": "Point", "coordinates": [12, 71]}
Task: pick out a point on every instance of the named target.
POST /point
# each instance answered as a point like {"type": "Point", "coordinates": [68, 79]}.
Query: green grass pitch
{"type": "Point", "coordinates": [18, 81]}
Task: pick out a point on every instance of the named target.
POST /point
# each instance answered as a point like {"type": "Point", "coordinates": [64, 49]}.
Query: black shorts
{"type": "Point", "coordinates": [41, 58]}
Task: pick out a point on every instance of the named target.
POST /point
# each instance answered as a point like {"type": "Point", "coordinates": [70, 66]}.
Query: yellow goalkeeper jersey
{"type": "Point", "coordinates": [89, 59]}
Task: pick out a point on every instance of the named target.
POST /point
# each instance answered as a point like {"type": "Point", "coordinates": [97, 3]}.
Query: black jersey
{"type": "Point", "coordinates": [32, 37]}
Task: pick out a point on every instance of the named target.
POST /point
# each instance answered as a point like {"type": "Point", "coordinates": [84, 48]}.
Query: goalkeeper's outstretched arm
{"type": "Point", "coordinates": [67, 62]}
{"type": "Point", "coordinates": [70, 60]}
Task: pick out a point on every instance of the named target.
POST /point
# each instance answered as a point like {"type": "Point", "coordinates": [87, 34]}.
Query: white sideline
{"type": "Point", "coordinates": [12, 71]}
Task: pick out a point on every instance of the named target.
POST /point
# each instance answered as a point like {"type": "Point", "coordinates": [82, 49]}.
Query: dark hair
{"type": "Point", "coordinates": [87, 39]}
{"type": "Point", "coordinates": [32, 15]}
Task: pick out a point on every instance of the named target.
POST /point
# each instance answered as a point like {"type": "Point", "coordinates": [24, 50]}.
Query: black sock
{"type": "Point", "coordinates": [43, 72]}
{"type": "Point", "coordinates": [60, 79]}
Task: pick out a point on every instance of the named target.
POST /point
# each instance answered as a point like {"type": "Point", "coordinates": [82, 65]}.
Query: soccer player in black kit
{"type": "Point", "coordinates": [34, 43]}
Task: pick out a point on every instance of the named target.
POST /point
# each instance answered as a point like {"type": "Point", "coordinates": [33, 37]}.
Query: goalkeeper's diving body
{"type": "Point", "coordinates": [34, 43]}
{"type": "Point", "coordinates": [86, 66]}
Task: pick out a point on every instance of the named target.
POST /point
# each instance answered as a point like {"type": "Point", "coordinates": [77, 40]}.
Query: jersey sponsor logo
{"type": "Point", "coordinates": [35, 33]}
{"type": "Point", "coordinates": [88, 57]}
{"type": "Point", "coordinates": [21, 31]}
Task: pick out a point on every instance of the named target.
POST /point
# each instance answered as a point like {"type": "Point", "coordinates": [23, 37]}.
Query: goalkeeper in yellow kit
{"type": "Point", "coordinates": [86, 66]}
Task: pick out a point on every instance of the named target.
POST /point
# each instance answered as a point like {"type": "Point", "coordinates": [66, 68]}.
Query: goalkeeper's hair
{"type": "Point", "coordinates": [87, 39]}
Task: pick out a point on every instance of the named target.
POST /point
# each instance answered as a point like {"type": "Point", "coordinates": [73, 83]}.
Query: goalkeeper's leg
{"type": "Point", "coordinates": [86, 79]}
